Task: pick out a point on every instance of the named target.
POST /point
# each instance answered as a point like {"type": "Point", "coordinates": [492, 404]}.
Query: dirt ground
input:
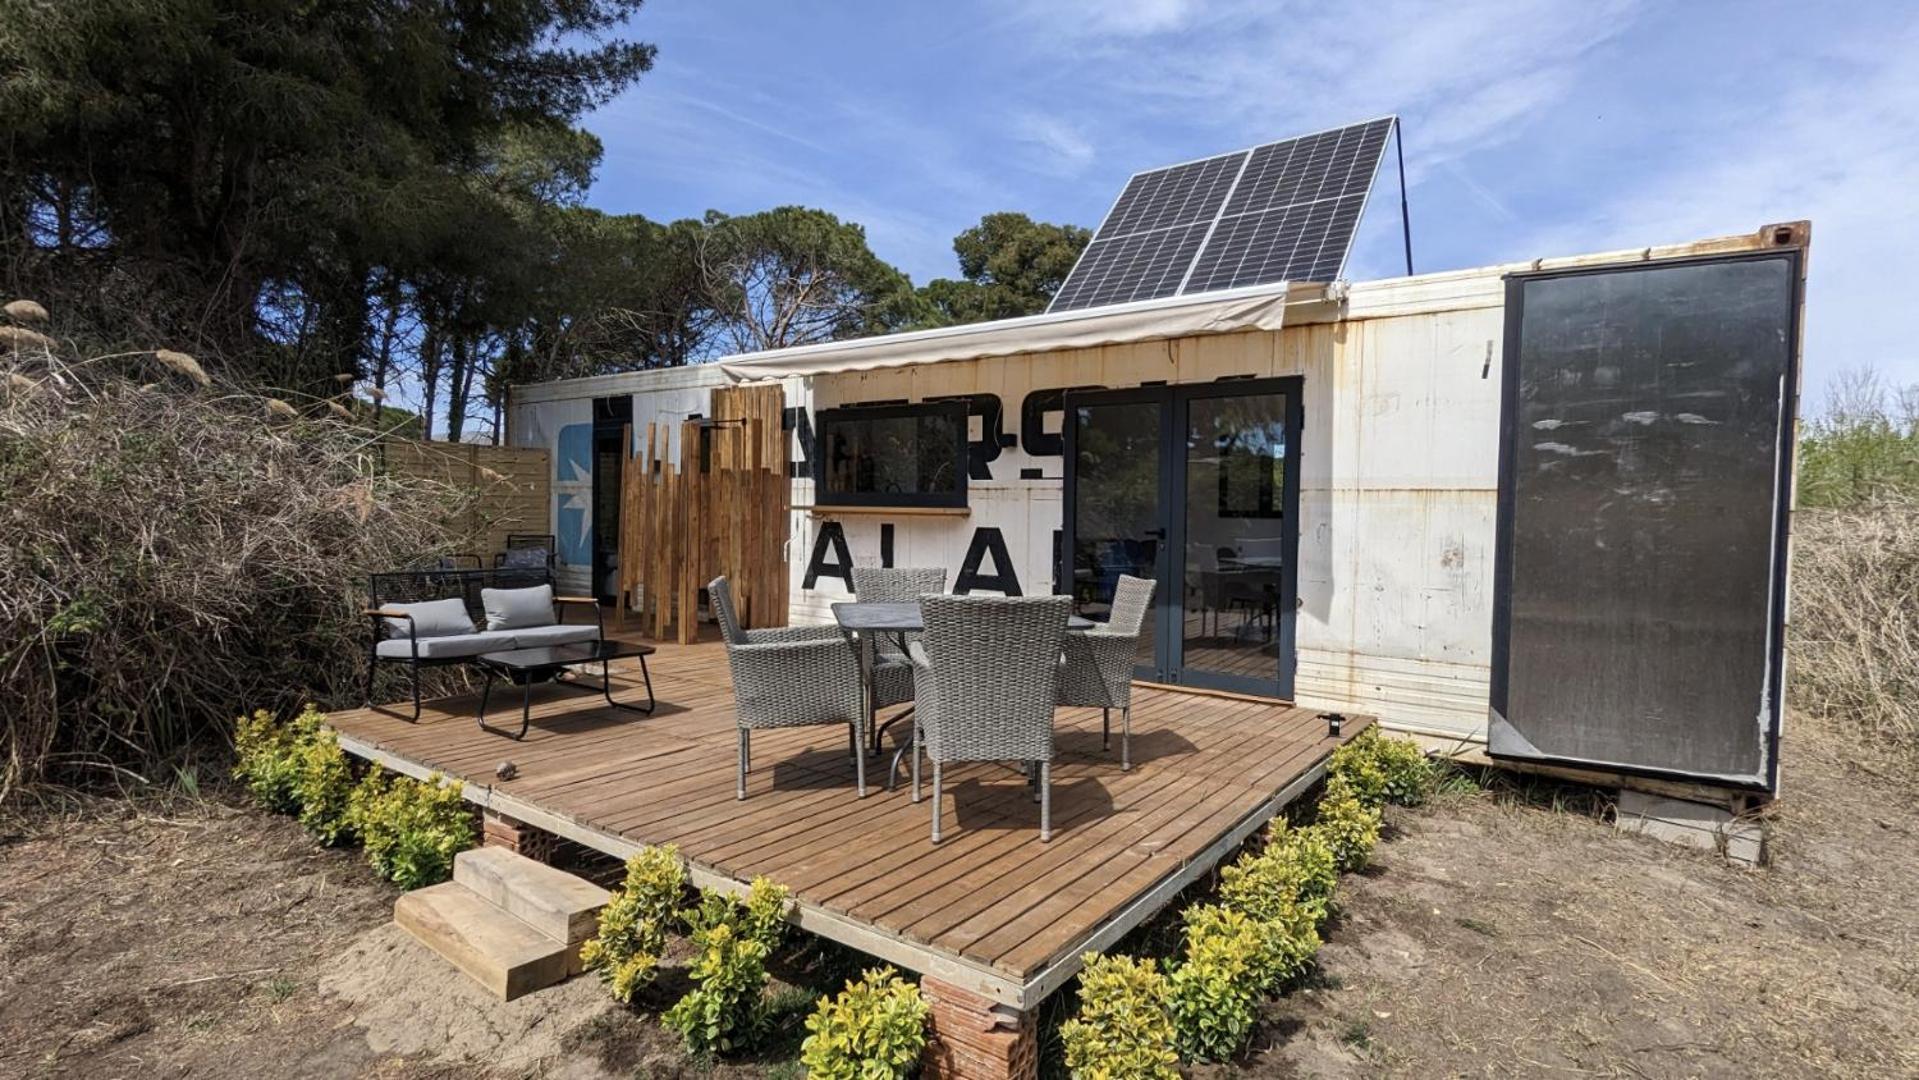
{"type": "Point", "coordinates": [1511, 932]}
{"type": "Point", "coordinates": [1499, 933]}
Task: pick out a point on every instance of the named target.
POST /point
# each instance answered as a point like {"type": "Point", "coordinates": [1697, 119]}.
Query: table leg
{"type": "Point", "coordinates": [606, 688]}
{"type": "Point", "coordinates": [866, 708]}
{"type": "Point", "coordinates": [526, 705]}
{"type": "Point", "coordinates": [486, 694]}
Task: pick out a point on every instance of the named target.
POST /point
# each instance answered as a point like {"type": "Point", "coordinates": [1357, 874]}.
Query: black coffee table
{"type": "Point", "coordinates": [528, 666]}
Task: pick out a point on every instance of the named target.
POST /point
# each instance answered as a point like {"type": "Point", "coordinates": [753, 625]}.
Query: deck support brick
{"type": "Point", "coordinates": [977, 1038]}
{"type": "Point", "coordinates": [499, 830]}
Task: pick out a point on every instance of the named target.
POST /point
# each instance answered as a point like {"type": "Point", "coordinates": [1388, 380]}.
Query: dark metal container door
{"type": "Point", "coordinates": [1644, 474]}
{"type": "Point", "coordinates": [612, 434]}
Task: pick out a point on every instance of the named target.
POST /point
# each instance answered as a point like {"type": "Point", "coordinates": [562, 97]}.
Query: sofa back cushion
{"type": "Point", "coordinates": [511, 609]}
{"type": "Point", "coordinates": [431, 618]}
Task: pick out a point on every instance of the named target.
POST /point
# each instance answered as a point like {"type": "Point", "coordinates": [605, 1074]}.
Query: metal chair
{"type": "Point", "coordinates": [986, 676]}
{"type": "Point", "coordinates": [795, 676]}
{"type": "Point", "coordinates": [527, 549]}
{"type": "Point", "coordinates": [892, 671]}
{"type": "Point", "coordinates": [1098, 665]}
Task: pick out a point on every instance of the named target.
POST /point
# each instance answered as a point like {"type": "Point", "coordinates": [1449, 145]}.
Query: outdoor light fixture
{"type": "Point", "coordinates": [1333, 721]}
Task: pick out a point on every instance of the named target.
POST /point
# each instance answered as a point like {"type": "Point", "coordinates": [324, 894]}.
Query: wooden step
{"type": "Point", "coordinates": [554, 902]}
{"type": "Point", "coordinates": [499, 951]}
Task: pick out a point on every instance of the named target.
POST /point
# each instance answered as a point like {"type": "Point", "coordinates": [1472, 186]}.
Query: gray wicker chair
{"type": "Point", "coordinates": [790, 677]}
{"type": "Point", "coordinates": [986, 676]}
{"type": "Point", "coordinates": [1098, 668]}
{"type": "Point", "coordinates": [892, 671]}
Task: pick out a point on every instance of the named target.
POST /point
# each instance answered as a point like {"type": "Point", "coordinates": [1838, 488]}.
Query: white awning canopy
{"type": "Point", "coordinates": [1260, 307]}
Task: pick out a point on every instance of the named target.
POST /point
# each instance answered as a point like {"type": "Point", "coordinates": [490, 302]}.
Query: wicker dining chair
{"type": "Point", "coordinates": [795, 676]}
{"type": "Point", "coordinates": [892, 671]}
{"type": "Point", "coordinates": [1098, 665]}
{"type": "Point", "coordinates": [986, 674]}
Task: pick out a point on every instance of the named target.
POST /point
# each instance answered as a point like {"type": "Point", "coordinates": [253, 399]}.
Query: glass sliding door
{"type": "Point", "coordinates": [1116, 503]}
{"type": "Point", "coordinates": [1196, 487]}
{"type": "Point", "coordinates": [1237, 501]}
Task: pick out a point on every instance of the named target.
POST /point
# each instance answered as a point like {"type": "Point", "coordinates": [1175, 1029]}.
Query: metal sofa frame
{"type": "Point", "coordinates": [412, 586]}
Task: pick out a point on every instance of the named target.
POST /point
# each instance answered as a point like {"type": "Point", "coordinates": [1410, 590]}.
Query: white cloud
{"type": "Point", "coordinates": [1057, 147]}
{"type": "Point", "coordinates": [1463, 74]}
{"type": "Point", "coordinates": [1832, 136]}
{"type": "Point", "coordinates": [1124, 18]}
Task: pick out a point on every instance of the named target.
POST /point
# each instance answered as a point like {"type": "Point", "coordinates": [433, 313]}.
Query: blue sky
{"type": "Point", "coordinates": [1532, 129]}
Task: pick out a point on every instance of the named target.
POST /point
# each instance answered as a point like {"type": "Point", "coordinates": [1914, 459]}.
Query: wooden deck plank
{"type": "Point", "coordinates": [991, 893]}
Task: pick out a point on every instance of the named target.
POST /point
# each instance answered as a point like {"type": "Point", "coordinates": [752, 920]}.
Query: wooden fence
{"type": "Point", "coordinates": [515, 485]}
{"type": "Point", "coordinates": [721, 509]}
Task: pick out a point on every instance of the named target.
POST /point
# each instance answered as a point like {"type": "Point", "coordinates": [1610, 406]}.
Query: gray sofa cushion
{"type": "Point", "coordinates": [450, 646]}
{"type": "Point", "coordinates": [431, 619]}
{"type": "Point", "coordinates": [535, 636]}
{"type": "Point", "coordinates": [511, 609]}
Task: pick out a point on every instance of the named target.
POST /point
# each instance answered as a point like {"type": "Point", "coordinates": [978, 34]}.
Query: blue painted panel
{"type": "Point", "coordinates": [573, 493]}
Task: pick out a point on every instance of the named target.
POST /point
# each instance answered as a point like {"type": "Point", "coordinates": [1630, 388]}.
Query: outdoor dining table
{"type": "Point", "coordinates": [866, 621]}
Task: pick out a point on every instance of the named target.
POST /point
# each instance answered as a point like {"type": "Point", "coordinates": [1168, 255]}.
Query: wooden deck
{"type": "Point", "coordinates": [990, 907]}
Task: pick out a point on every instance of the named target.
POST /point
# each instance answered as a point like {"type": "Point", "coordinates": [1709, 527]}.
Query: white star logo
{"type": "Point", "coordinates": [576, 493]}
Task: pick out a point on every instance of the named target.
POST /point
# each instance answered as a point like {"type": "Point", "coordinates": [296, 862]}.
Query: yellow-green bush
{"type": "Point", "coordinates": [1347, 825]}
{"type": "Point", "coordinates": [1213, 993]}
{"type": "Point", "coordinates": [267, 756]}
{"type": "Point", "coordinates": [763, 913]}
{"type": "Point", "coordinates": [1288, 938]}
{"type": "Point", "coordinates": [1296, 869]}
{"type": "Point", "coordinates": [1123, 1030]}
{"type": "Point", "coordinates": [324, 786]}
{"type": "Point", "coordinates": [874, 1030]}
{"type": "Point", "coordinates": [1382, 770]}
{"type": "Point", "coordinates": [412, 829]}
{"type": "Point", "coordinates": [635, 922]}
{"type": "Point", "coordinates": [726, 1010]}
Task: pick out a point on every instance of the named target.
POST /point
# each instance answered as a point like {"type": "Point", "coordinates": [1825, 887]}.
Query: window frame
{"type": "Point", "coordinates": [954, 408]}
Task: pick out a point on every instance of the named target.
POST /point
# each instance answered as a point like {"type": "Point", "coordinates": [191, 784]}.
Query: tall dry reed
{"type": "Point", "coordinates": [172, 552]}
{"type": "Point", "coordinates": [1854, 640]}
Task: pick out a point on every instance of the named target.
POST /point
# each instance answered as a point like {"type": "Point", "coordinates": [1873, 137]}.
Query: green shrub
{"type": "Point", "coordinates": [1382, 770]}
{"type": "Point", "coordinates": [324, 785]}
{"type": "Point", "coordinates": [267, 756]}
{"type": "Point", "coordinates": [1213, 993]}
{"type": "Point", "coordinates": [726, 1010]}
{"type": "Point", "coordinates": [874, 1030]}
{"type": "Point", "coordinates": [1347, 825]}
{"type": "Point", "coordinates": [635, 922]}
{"type": "Point", "coordinates": [412, 829]}
{"type": "Point", "coordinates": [1297, 869]}
{"type": "Point", "coordinates": [763, 914]}
{"type": "Point", "coordinates": [1288, 941]}
{"type": "Point", "coordinates": [1123, 1030]}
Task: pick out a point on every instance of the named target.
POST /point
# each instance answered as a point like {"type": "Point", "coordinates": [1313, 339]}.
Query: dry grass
{"type": "Point", "coordinates": [1855, 619]}
{"type": "Point", "coordinates": [171, 552]}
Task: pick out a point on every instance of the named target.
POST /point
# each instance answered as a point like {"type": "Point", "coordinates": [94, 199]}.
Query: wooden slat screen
{"type": "Point", "coordinates": [682, 525]}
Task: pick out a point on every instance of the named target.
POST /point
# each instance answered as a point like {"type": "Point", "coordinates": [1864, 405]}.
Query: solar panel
{"type": "Point", "coordinates": [1285, 211]}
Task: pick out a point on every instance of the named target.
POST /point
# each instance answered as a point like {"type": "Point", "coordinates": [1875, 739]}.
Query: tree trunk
{"type": "Point", "coordinates": [429, 374]}
{"type": "Point", "coordinates": [459, 385]}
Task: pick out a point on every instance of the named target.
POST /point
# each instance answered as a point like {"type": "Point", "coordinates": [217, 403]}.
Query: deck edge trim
{"type": "Point", "coordinates": [1055, 975]}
